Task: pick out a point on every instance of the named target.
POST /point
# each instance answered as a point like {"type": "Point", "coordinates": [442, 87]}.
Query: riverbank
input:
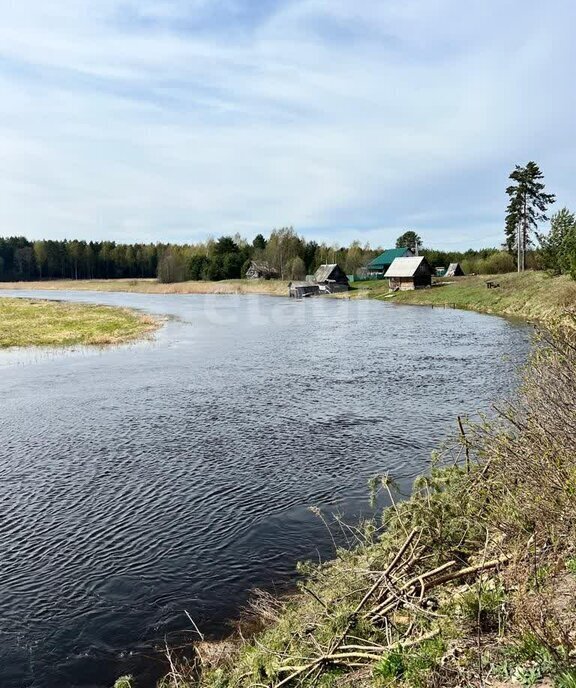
{"type": "Point", "coordinates": [472, 581]}
{"type": "Point", "coordinates": [529, 295]}
{"type": "Point", "coordinates": [31, 322]}
{"type": "Point", "coordinates": [151, 286]}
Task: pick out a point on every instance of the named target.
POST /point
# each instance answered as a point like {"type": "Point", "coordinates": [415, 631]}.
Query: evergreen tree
{"type": "Point", "coordinates": [259, 242]}
{"type": "Point", "coordinates": [225, 244]}
{"type": "Point", "coordinates": [409, 240]}
{"type": "Point", "coordinates": [527, 206]}
{"type": "Point", "coordinates": [559, 245]}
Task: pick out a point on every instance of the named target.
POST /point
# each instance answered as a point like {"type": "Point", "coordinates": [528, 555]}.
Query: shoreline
{"type": "Point", "coordinates": [448, 586]}
{"type": "Point", "coordinates": [151, 286]}
{"type": "Point", "coordinates": [531, 296]}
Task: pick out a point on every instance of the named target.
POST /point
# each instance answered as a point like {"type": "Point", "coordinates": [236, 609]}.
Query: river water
{"type": "Point", "coordinates": [147, 480]}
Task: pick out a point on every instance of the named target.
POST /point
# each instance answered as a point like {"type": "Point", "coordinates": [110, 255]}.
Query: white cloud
{"type": "Point", "coordinates": [171, 121]}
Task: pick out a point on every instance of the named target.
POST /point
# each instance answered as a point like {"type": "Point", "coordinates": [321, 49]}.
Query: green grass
{"type": "Point", "coordinates": [531, 295]}
{"type": "Point", "coordinates": [26, 322]}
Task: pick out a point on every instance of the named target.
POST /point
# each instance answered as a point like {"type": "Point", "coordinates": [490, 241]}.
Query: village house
{"type": "Point", "coordinates": [331, 279]}
{"type": "Point", "coordinates": [261, 271]}
{"type": "Point", "coordinates": [409, 273]}
{"type": "Point", "coordinates": [377, 267]}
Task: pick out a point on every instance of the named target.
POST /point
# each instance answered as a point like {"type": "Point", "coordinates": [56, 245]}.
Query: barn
{"type": "Point", "coordinates": [454, 270]}
{"type": "Point", "coordinates": [331, 278]}
{"type": "Point", "coordinates": [409, 273]}
{"type": "Point", "coordinates": [261, 271]}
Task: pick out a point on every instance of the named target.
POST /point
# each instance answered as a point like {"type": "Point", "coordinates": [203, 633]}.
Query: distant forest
{"type": "Point", "coordinates": [289, 256]}
{"type": "Point", "coordinates": [225, 258]}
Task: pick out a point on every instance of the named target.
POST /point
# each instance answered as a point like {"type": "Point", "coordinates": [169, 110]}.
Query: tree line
{"type": "Point", "coordinates": [228, 257]}
{"type": "Point", "coordinates": [291, 256]}
{"type": "Point", "coordinates": [21, 259]}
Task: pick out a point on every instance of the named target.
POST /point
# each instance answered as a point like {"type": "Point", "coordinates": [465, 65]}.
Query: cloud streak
{"type": "Point", "coordinates": [175, 120]}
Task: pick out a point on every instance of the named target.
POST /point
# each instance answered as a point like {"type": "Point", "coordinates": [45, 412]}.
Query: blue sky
{"type": "Point", "coordinates": [173, 120]}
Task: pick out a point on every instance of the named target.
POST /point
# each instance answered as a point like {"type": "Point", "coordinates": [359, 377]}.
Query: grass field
{"type": "Point", "coordinates": [151, 286]}
{"type": "Point", "coordinates": [530, 295]}
{"type": "Point", "coordinates": [25, 322]}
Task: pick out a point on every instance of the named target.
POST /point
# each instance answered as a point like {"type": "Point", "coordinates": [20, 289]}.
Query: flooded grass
{"type": "Point", "coordinates": [28, 322]}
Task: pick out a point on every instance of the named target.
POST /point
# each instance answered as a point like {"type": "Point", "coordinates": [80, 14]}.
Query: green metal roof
{"type": "Point", "coordinates": [387, 258]}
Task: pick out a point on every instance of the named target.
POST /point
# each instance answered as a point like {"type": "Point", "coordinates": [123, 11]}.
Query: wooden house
{"type": "Point", "coordinates": [454, 270]}
{"type": "Point", "coordinates": [409, 273]}
{"type": "Point", "coordinates": [331, 278]}
{"type": "Point", "coordinates": [377, 267]}
{"type": "Point", "coordinates": [301, 290]}
{"type": "Point", "coordinates": [261, 271]}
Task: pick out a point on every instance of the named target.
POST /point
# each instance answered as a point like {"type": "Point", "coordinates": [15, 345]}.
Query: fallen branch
{"type": "Point", "coordinates": [343, 657]}
{"type": "Point", "coordinates": [388, 570]}
{"type": "Point", "coordinates": [392, 601]}
{"type": "Point", "coordinates": [467, 571]}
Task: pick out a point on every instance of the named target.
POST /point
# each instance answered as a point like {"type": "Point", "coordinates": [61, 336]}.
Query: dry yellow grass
{"type": "Point", "coordinates": [151, 286]}
{"type": "Point", "coordinates": [27, 322]}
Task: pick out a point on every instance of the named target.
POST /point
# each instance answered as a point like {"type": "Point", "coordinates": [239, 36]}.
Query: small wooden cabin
{"type": "Point", "coordinates": [454, 270]}
{"type": "Point", "coordinates": [331, 278]}
{"type": "Point", "coordinates": [409, 273]}
{"type": "Point", "coordinates": [302, 290]}
{"type": "Point", "coordinates": [261, 271]}
{"type": "Point", "coordinates": [378, 266]}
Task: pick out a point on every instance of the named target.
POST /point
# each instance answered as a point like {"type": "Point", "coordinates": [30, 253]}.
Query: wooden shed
{"type": "Point", "coordinates": [331, 278]}
{"type": "Point", "coordinates": [454, 270]}
{"type": "Point", "coordinates": [409, 273]}
{"type": "Point", "coordinates": [301, 290]}
{"type": "Point", "coordinates": [261, 271]}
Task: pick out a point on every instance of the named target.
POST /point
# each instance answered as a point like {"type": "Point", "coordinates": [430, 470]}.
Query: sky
{"type": "Point", "coordinates": [174, 120]}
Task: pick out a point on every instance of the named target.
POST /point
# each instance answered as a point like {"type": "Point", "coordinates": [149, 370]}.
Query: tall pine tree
{"type": "Point", "coordinates": [527, 206]}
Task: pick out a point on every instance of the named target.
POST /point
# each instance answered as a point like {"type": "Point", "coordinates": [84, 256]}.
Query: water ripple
{"type": "Point", "coordinates": [139, 482]}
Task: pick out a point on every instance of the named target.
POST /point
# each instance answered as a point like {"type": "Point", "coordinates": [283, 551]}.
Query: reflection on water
{"type": "Point", "coordinates": [176, 474]}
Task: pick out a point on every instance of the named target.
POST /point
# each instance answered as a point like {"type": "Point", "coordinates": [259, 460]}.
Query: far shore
{"type": "Point", "coordinates": [530, 295]}
{"type": "Point", "coordinates": [151, 286]}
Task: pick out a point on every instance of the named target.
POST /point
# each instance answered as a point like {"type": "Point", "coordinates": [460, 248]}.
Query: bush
{"type": "Point", "coordinates": [499, 263]}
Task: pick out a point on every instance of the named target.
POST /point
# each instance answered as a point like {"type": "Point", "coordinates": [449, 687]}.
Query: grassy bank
{"type": "Point", "coordinates": [25, 322]}
{"type": "Point", "coordinates": [530, 295]}
{"type": "Point", "coordinates": [470, 582]}
{"type": "Point", "coordinates": [151, 286]}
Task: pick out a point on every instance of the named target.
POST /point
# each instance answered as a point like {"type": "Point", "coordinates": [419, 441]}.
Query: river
{"type": "Point", "coordinates": [173, 475]}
